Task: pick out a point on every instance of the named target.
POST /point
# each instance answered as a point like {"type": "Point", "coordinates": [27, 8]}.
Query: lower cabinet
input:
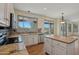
{"type": "Point", "coordinates": [41, 38]}
{"type": "Point", "coordinates": [59, 50]}
{"type": "Point", "coordinates": [35, 37]}
{"type": "Point", "coordinates": [30, 39]}
{"type": "Point", "coordinates": [25, 38]}
{"type": "Point", "coordinates": [47, 46]}
{"type": "Point", "coordinates": [54, 47]}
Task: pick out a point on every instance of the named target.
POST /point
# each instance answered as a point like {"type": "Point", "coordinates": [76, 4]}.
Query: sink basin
{"type": "Point", "coordinates": [50, 35]}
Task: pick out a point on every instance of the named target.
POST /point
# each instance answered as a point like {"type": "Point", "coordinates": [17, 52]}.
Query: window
{"type": "Point", "coordinates": [48, 27]}
{"type": "Point", "coordinates": [63, 29]}
{"type": "Point", "coordinates": [69, 27]}
{"type": "Point", "coordinates": [25, 24]}
{"type": "Point", "coordinates": [20, 24]}
{"type": "Point", "coordinates": [75, 27]}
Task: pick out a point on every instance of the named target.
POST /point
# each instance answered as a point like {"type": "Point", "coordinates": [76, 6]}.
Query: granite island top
{"type": "Point", "coordinates": [68, 40]}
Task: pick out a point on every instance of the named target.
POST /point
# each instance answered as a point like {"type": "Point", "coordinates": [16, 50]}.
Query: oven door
{"type": "Point", "coordinates": [3, 40]}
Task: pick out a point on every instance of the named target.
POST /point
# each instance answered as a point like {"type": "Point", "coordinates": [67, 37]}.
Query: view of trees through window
{"type": "Point", "coordinates": [25, 24]}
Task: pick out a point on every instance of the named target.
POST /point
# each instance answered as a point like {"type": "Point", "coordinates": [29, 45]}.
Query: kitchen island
{"type": "Point", "coordinates": [60, 45]}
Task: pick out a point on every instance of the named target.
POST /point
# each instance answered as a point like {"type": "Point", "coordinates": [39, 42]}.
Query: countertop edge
{"type": "Point", "coordinates": [63, 41]}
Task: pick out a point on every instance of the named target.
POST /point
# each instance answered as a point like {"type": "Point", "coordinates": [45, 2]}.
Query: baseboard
{"type": "Point", "coordinates": [41, 43]}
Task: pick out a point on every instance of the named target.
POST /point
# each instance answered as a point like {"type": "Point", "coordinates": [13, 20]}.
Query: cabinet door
{"type": "Point", "coordinates": [2, 14]}
{"type": "Point", "coordinates": [31, 39]}
{"type": "Point", "coordinates": [7, 16]}
{"type": "Point", "coordinates": [5, 10]}
{"type": "Point", "coordinates": [47, 45]}
{"type": "Point", "coordinates": [35, 40]}
{"type": "Point", "coordinates": [26, 40]}
{"type": "Point", "coordinates": [8, 9]}
{"type": "Point", "coordinates": [41, 38]}
{"type": "Point", "coordinates": [59, 50]}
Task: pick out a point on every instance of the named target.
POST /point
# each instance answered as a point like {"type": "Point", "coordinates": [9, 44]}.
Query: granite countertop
{"type": "Point", "coordinates": [17, 34]}
{"type": "Point", "coordinates": [20, 52]}
{"type": "Point", "coordinates": [63, 39]}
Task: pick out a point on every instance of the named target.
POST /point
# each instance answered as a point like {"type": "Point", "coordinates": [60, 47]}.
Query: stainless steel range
{"type": "Point", "coordinates": [3, 38]}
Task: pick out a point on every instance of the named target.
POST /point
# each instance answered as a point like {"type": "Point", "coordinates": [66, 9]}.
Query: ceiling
{"type": "Point", "coordinates": [54, 10]}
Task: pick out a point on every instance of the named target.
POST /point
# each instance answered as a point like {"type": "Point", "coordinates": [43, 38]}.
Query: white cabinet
{"type": "Point", "coordinates": [30, 39]}
{"type": "Point", "coordinates": [2, 7]}
{"type": "Point", "coordinates": [35, 41]}
{"type": "Point", "coordinates": [2, 14]}
{"type": "Point", "coordinates": [54, 47]}
{"type": "Point", "coordinates": [5, 10]}
{"type": "Point", "coordinates": [25, 39]}
{"type": "Point", "coordinates": [41, 38]}
{"type": "Point", "coordinates": [59, 48]}
{"type": "Point", "coordinates": [47, 46]}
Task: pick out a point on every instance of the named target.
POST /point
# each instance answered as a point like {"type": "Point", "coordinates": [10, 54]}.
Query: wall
{"type": "Point", "coordinates": [41, 24]}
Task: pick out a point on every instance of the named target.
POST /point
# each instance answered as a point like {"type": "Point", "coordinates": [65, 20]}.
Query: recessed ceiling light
{"type": "Point", "coordinates": [45, 8]}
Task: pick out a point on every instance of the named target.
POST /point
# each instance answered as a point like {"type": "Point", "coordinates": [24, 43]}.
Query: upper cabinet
{"type": "Point", "coordinates": [5, 10]}
{"type": "Point", "coordinates": [2, 14]}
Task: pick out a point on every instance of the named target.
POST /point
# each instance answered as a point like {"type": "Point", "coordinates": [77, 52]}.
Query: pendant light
{"type": "Point", "coordinates": [62, 20]}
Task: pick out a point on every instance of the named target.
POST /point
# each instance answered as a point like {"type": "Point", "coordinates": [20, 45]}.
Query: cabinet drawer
{"type": "Point", "coordinates": [59, 43]}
